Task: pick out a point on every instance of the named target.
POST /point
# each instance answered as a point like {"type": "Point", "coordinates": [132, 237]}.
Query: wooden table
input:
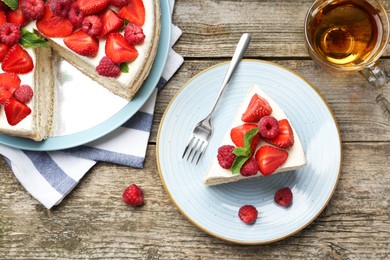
{"type": "Point", "coordinates": [93, 222]}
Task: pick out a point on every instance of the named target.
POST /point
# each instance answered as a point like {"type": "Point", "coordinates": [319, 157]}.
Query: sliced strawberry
{"type": "Point", "coordinates": [270, 158]}
{"type": "Point", "coordinates": [111, 23]}
{"type": "Point", "coordinates": [3, 18]}
{"type": "Point", "coordinates": [16, 111]}
{"type": "Point", "coordinates": [3, 50]}
{"type": "Point", "coordinates": [134, 12]}
{"type": "Point", "coordinates": [92, 7]}
{"type": "Point", "coordinates": [257, 108]}
{"type": "Point", "coordinates": [16, 16]}
{"type": "Point", "coordinates": [17, 60]}
{"type": "Point", "coordinates": [118, 50]}
{"type": "Point", "coordinates": [5, 94]}
{"type": "Point", "coordinates": [285, 138]}
{"type": "Point", "coordinates": [82, 43]}
{"type": "Point", "coordinates": [237, 135]}
{"type": "Point", "coordinates": [11, 80]}
{"type": "Point", "coordinates": [51, 25]}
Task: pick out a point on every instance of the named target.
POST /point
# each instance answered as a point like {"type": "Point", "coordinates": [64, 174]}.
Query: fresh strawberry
{"type": "Point", "coordinates": [82, 43]}
{"type": "Point", "coordinates": [92, 7]}
{"type": "Point", "coordinates": [134, 12]}
{"type": "Point", "coordinates": [3, 50]}
{"type": "Point", "coordinates": [17, 60]}
{"type": "Point", "coordinates": [111, 23]}
{"type": "Point", "coordinates": [237, 135]}
{"type": "Point", "coordinates": [16, 111]}
{"type": "Point", "coordinates": [118, 50]}
{"type": "Point", "coordinates": [12, 80]}
{"type": "Point", "coordinates": [283, 197]}
{"type": "Point", "coordinates": [5, 94]}
{"type": "Point", "coordinates": [257, 108]}
{"type": "Point", "coordinates": [51, 25]}
{"type": "Point", "coordinates": [269, 158]}
{"type": "Point", "coordinates": [3, 18]}
{"type": "Point", "coordinates": [285, 138]}
{"type": "Point", "coordinates": [16, 16]}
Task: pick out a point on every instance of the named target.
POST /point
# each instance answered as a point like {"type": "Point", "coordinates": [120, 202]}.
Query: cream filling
{"type": "Point", "coordinates": [296, 156]}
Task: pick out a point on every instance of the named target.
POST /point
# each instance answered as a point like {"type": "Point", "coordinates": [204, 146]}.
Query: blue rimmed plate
{"type": "Point", "coordinates": [214, 209]}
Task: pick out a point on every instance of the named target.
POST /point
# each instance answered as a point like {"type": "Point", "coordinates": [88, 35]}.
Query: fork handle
{"type": "Point", "coordinates": [237, 57]}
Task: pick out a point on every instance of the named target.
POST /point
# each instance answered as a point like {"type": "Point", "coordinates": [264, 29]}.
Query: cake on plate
{"type": "Point", "coordinates": [114, 42]}
{"type": "Point", "coordinates": [260, 141]}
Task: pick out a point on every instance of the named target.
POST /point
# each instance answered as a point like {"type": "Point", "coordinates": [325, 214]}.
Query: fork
{"type": "Point", "coordinates": [202, 132]}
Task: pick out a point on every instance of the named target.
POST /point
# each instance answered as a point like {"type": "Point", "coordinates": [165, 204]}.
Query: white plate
{"type": "Point", "coordinates": [214, 209]}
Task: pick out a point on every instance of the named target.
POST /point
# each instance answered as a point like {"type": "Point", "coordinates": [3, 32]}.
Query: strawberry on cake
{"type": "Point", "coordinates": [114, 42]}
{"type": "Point", "coordinates": [261, 141]}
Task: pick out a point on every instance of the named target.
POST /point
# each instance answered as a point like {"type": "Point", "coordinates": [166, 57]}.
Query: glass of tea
{"type": "Point", "coordinates": [349, 35]}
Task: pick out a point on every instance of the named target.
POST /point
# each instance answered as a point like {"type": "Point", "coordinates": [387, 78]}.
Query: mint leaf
{"type": "Point", "coordinates": [13, 4]}
{"type": "Point", "coordinates": [249, 137]}
{"type": "Point", "coordinates": [124, 67]}
{"type": "Point", "coordinates": [241, 151]}
{"type": "Point", "coordinates": [30, 39]}
{"type": "Point", "coordinates": [238, 163]}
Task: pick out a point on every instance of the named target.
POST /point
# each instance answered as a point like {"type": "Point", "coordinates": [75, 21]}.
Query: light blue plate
{"type": "Point", "coordinates": [83, 137]}
{"type": "Point", "coordinates": [214, 209]}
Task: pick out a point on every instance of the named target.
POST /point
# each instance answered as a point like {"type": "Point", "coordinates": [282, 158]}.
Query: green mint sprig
{"type": "Point", "coordinates": [29, 39]}
{"type": "Point", "coordinates": [124, 67]}
{"type": "Point", "coordinates": [13, 4]}
{"type": "Point", "coordinates": [243, 153]}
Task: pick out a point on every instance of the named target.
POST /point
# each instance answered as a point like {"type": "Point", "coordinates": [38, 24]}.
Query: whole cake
{"type": "Point", "coordinates": [114, 42]}
{"type": "Point", "coordinates": [260, 141]}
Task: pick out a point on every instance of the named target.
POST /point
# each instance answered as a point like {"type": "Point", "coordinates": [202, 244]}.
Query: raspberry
{"type": "Point", "coordinates": [119, 3]}
{"type": "Point", "coordinates": [24, 93]}
{"type": "Point", "coordinates": [9, 33]}
{"type": "Point", "coordinates": [60, 7]}
{"type": "Point", "coordinates": [134, 34]}
{"type": "Point", "coordinates": [33, 9]}
{"type": "Point", "coordinates": [226, 156]}
{"type": "Point", "coordinates": [133, 195]}
{"type": "Point", "coordinates": [75, 15]}
{"type": "Point", "coordinates": [92, 25]}
{"type": "Point", "coordinates": [248, 214]}
{"type": "Point", "coordinates": [249, 168]}
{"type": "Point", "coordinates": [108, 68]}
{"type": "Point", "coordinates": [283, 197]}
{"type": "Point", "coordinates": [268, 127]}
{"type": "Point", "coordinates": [4, 7]}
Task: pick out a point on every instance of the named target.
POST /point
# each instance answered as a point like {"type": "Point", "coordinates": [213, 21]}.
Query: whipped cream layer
{"type": "Point", "coordinates": [296, 156]}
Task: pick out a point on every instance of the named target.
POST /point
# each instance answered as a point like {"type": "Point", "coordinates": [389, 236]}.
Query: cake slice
{"type": "Point", "coordinates": [291, 154]}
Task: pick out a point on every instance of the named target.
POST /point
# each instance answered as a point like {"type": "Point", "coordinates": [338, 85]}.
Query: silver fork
{"type": "Point", "coordinates": [201, 134]}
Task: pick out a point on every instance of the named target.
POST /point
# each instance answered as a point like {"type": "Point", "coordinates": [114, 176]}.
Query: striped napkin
{"type": "Point", "coordinates": [50, 176]}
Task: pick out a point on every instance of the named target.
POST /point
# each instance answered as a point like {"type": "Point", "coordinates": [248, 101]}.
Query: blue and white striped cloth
{"type": "Point", "coordinates": [50, 176]}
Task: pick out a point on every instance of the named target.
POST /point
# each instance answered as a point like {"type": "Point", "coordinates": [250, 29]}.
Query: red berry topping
{"type": "Point", "coordinates": [118, 50]}
{"type": "Point", "coordinates": [75, 15]}
{"type": "Point", "coordinates": [24, 93]}
{"type": "Point", "coordinates": [268, 127]}
{"type": "Point", "coordinates": [92, 25]}
{"type": "Point", "coordinates": [119, 3]}
{"type": "Point", "coordinates": [3, 50]}
{"type": "Point", "coordinates": [60, 7]}
{"type": "Point", "coordinates": [16, 16]}
{"type": "Point", "coordinates": [16, 111]}
{"type": "Point", "coordinates": [283, 197]}
{"type": "Point", "coordinates": [17, 60]}
{"type": "Point", "coordinates": [285, 137]}
{"type": "Point", "coordinates": [249, 168]}
{"type": "Point", "coordinates": [10, 34]}
{"type": "Point", "coordinates": [248, 214]}
{"type": "Point", "coordinates": [3, 17]}
{"type": "Point", "coordinates": [257, 108]}
{"type": "Point", "coordinates": [270, 158]}
{"type": "Point", "coordinates": [134, 34]}
{"type": "Point", "coordinates": [133, 195]}
{"type": "Point", "coordinates": [237, 135]}
{"type": "Point", "coordinates": [51, 25]}
{"type": "Point", "coordinates": [111, 22]}
{"type": "Point", "coordinates": [134, 12]}
{"type": "Point", "coordinates": [4, 7]}
{"type": "Point", "coordinates": [226, 156]}
{"type": "Point", "coordinates": [92, 7]}
{"type": "Point", "coordinates": [33, 9]}
{"type": "Point", "coordinates": [82, 43]}
{"type": "Point", "coordinates": [108, 68]}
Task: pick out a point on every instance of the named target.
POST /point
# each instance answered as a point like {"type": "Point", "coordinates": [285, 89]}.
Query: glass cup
{"type": "Point", "coordinates": [349, 36]}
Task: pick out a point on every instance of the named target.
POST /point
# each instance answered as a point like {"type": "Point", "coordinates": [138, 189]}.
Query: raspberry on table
{"type": "Point", "coordinates": [92, 25]}
{"type": "Point", "coordinates": [226, 156]}
{"type": "Point", "coordinates": [248, 214]}
{"type": "Point", "coordinates": [33, 9]}
{"type": "Point", "coordinates": [24, 93]}
{"type": "Point", "coordinates": [268, 127]}
{"type": "Point", "coordinates": [134, 34]}
{"type": "Point", "coordinates": [108, 68]}
{"type": "Point", "coordinates": [75, 15]}
{"type": "Point", "coordinates": [249, 168]}
{"type": "Point", "coordinates": [10, 33]}
{"type": "Point", "coordinates": [60, 7]}
{"type": "Point", "coordinates": [119, 3]}
{"type": "Point", "coordinates": [133, 195]}
{"type": "Point", "coordinates": [283, 197]}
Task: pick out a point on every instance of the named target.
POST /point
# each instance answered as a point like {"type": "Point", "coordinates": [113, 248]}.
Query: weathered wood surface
{"type": "Point", "coordinates": [93, 222]}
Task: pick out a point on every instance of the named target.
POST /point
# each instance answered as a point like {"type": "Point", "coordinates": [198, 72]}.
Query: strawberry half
{"type": "Point", "coordinates": [12, 80]}
{"type": "Point", "coordinates": [270, 158]}
{"type": "Point", "coordinates": [3, 18]}
{"type": "Point", "coordinates": [92, 7]}
{"type": "Point", "coordinates": [285, 138]}
{"type": "Point", "coordinates": [118, 50]}
{"type": "Point", "coordinates": [134, 12]}
{"type": "Point", "coordinates": [5, 94]}
{"type": "Point", "coordinates": [16, 16]}
{"type": "Point", "coordinates": [16, 111]}
{"type": "Point", "coordinates": [17, 60]}
{"type": "Point", "coordinates": [54, 26]}
{"type": "Point", "coordinates": [111, 23]}
{"type": "Point", "coordinates": [237, 135]}
{"type": "Point", "coordinates": [3, 50]}
{"type": "Point", "coordinates": [82, 43]}
{"type": "Point", "coordinates": [257, 108]}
